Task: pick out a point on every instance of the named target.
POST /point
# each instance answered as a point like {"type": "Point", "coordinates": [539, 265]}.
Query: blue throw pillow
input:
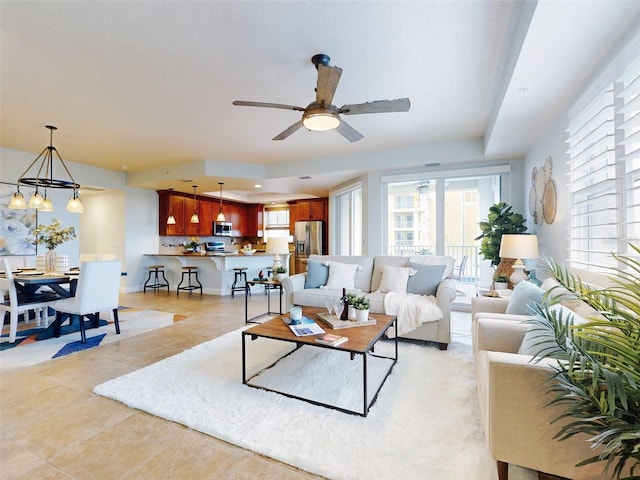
{"type": "Point", "coordinates": [426, 279]}
{"type": "Point", "coordinates": [524, 294]}
{"type": "Point", "coordinates": [317, 274]}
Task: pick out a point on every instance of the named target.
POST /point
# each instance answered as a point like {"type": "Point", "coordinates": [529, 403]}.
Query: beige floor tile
{"type": "Point", "coordinates": [16, 460]}
{"type": "Point", "coordinates": [119, 449]}
{"type": "Point", "coordinates": [71, 424]}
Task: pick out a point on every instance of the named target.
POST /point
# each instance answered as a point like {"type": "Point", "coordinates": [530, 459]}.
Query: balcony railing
{"type": "Point", "coordinates": [471, 272]}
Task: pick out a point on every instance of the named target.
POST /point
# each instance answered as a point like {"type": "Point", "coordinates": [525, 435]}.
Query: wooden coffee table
{"type": "Point", "coordinates": [361, 343]}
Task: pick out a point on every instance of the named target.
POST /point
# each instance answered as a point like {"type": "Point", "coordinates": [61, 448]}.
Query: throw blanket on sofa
{"type": "Point", "coordinates": [412, 311]}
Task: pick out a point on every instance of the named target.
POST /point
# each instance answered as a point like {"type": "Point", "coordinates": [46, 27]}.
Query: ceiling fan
{"type": "Point", "coordinates": [322, 115]}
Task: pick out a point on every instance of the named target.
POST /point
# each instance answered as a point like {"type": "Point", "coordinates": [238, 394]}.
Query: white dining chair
{"type": "Point", "coordinates": [16, 305]}
{"type": "Point", "coordinates": [98, 290]}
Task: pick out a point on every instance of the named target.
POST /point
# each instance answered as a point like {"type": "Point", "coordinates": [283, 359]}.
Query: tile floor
{"type": "Point", "coordinates": [53, 427]}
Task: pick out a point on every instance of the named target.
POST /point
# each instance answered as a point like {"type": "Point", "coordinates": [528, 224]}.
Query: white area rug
{"type": "Point", "coordinates": [425, 423]}
{"type": "Point", "coordinates": [31, 352]}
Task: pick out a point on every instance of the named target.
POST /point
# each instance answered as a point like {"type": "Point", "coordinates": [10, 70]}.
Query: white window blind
{"type": "Point", "coordinates": [604, 174]}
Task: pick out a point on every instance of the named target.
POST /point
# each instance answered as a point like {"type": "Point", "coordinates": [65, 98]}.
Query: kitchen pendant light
{"type": "Point", "coordinates": [171, 220]}
{"type": "Point", "coordinates": [194, 217]}
{"type": "Point", "coordinates": [44, 179]}
{"type": "Point", "coordinates": [220, 217]}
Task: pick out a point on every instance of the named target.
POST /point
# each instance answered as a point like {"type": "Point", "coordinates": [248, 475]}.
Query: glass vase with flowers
{"type": "Point", "coordinates": [51, 236]}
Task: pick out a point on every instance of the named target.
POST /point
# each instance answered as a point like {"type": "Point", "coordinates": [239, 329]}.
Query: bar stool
{"type": "Point", "coordinates": [239, 275]}
{"type": "Point", "coordinates": [155, 271]}
{"type": "Point", "coordinates": [189, 271]}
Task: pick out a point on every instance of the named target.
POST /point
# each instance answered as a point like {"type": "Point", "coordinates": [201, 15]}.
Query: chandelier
{"type": "Point", "coordinates": [44, 179]}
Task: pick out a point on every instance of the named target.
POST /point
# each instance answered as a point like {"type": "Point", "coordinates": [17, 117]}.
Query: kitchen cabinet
{"type": "Point", "coordinates": [313, 209]}
{"type": "Point", "coordinates": [206, 209]}
{"type": "Point", "coordinates": [246, 218]}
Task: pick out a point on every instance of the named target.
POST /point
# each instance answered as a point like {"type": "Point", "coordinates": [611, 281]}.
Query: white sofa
{"type": "Point", "coordinates": [367, 280]}
{"type": "Point", "coordinates": [512, 395]}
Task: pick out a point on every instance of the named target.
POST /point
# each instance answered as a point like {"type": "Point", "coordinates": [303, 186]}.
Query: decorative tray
{"type": "Point", "coordinates": [335, 323]}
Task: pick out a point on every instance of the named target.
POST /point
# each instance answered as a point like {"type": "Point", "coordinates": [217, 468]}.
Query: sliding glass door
{"type": "Point", "coordinates": [439, 216]}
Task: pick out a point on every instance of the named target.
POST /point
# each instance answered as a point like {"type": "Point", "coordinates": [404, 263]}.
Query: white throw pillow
{"type": "Point", "coordinates": [341, 275]}
{"type": "Point", "coordinates": [394, 279]}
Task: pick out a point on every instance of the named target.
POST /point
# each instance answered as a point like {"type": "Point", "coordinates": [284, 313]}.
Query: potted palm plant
{"type": "Point", "coordinates": [597, 378]}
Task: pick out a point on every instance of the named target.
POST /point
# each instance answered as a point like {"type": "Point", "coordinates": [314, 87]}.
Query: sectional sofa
{"type": "Point", "coordinates": [416, 284]}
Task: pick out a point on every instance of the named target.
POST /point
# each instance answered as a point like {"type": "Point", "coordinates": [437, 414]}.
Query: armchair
{"type": "Point", "coordinates": [515, 418]}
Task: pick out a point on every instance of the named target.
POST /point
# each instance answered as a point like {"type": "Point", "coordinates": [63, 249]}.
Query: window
{"type": "Point", "coordinates": [276, 221]}
{"type": "Point", "coordinates": [604, 174]}
{"type": "Point", "coordinates": [347, 212]}
{"type": "Point", "coordinates": [403, 221]}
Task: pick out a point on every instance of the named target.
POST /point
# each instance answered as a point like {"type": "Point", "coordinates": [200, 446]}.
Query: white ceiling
{"type": "Point", "coordinates": [148, 86]}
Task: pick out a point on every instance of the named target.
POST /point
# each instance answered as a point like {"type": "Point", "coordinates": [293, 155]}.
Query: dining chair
{"type": "Point", "coordinates": [98, 290]}
{"type": "Point", "coordinates": [16, 304]}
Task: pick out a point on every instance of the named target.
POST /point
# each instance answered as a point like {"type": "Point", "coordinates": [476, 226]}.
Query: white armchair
{"type": "Point", "coordinates": [512, 396]}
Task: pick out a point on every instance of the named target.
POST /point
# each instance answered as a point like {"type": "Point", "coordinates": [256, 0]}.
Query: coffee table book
{"type": "Point", "coordinates": [303, 327]}
{"type": "Point", "coordinates": [335, 323]}
{"type": "Point", "coordinates": [331, 340]}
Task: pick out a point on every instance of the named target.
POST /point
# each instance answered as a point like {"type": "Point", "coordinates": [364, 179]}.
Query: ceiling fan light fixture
{"type": "Point", "coordinates": [320, 119]}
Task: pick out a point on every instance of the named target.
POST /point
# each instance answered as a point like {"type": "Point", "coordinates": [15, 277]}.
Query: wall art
{"type": "Point", "coordinates": [16, 226]}
{"type": "Point", "coordinates": [542, 194]}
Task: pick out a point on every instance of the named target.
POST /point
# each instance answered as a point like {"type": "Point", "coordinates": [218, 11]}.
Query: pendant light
{"type": "Point", "coordinates": [47, 205]}
{"type": "Point", "coordinates": [220, 217]}
{"type": "Point", "coordinates": [171, 220]}
{"type": "Point", "coordinates": [44, 178]}
{"type": "Point", "coordinates": [194, 217]}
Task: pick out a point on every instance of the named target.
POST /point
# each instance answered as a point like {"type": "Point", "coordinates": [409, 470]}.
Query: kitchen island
{"type": "Point", "coordinates": [215, 270]}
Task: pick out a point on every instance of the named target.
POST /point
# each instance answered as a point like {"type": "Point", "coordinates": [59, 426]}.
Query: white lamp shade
{"type": "Point", "coordinates": [277, 246]}
{"type": "Point", "coordinates": [518, 246]}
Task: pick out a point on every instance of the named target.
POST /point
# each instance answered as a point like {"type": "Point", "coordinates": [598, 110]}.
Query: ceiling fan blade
{"type": "Point", "coordinates": [293, 128]}
{"type": "Point", "coordinates": [379, 106]}
{"type": "Point", "coordinates": [328, 78]}
{"type": "Point", "coordinates": [348, 132]}
{"type": "Point", "coordinates": [242, 103]}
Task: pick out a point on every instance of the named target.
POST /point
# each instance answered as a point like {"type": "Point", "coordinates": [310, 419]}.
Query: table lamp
{"type": "Point", "coordinates": [518, 246]}
{"type": "Point", "coordinates": [277, 246]}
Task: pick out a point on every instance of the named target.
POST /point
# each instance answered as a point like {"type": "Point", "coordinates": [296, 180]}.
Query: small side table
{"type": "Point", "coordinates": [269, 286]}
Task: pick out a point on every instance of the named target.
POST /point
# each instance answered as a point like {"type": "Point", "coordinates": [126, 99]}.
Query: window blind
{"type": "Point", "coordinates": [604, 174]}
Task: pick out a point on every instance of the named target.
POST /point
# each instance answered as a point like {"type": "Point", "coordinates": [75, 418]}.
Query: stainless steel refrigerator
{"type": "Point", "coordinates": [308, 237]}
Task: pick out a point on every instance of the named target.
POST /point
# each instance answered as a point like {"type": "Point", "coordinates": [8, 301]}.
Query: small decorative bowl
{"type": "Point", "coordinates": [248, 252]}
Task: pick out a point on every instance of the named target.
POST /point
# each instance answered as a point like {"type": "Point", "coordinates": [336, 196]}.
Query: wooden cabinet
{"type": "Point", "coordinates": [182, 206]}
{"type": "Point", "coordinates": [313, 209]}
{"type": "Point", "coordinates": [206, 209]}
{"type": "Point", "coordinates": [246, 218]}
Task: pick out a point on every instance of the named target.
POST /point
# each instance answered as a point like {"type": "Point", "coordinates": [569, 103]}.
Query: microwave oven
{"type": "Point", "coordinates": [222, 229]}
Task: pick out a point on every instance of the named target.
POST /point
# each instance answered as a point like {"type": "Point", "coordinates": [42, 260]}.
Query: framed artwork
{"type": "Point", "coordinates": [16, 226]}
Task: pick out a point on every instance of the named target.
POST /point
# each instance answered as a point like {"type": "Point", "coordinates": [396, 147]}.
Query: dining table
{"type": "Point", "coordinates": [64, 284]}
